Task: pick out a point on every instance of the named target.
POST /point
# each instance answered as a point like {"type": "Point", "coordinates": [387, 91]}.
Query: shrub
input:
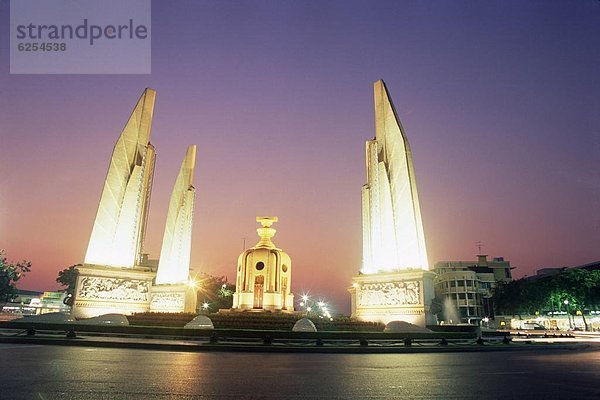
{"type": "Point", "coordinates": [252, 320]}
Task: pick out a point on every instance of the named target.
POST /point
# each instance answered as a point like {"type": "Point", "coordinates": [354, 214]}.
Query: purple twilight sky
{"type": "Point", "coordinates": [500, 101]}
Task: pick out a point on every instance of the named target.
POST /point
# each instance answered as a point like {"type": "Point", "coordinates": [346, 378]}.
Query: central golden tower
{"type": "Point", "coordinates": [264, 274]}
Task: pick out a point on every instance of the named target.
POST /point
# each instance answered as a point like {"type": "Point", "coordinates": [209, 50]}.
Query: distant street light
{"type": "Point", "coordinates": [304, 303]}
{"type": "Point", "coordinates": [568, 313]}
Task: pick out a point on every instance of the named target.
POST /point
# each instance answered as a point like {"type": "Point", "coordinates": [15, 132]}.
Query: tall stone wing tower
{"type": "Point", "coordinates": [394, 282]}
{"type": "Point", "coordinates": [392, 228]}
{"type": "Point", "coordinates": [174, 264]}
{"type": "Point", "coordinates": [111, 279]}
{"type": "Point", "coordinates": [119, 227]}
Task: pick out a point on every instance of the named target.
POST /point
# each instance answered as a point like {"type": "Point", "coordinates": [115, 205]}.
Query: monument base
{"type": "Point", "coordinates": [403, 295]}
{"type": "Point", "coordinates": [270, 301]}
{"type": "Point", "coordinates": [103, 290]}
{"type": "Point", "coordinates": [173, 298]}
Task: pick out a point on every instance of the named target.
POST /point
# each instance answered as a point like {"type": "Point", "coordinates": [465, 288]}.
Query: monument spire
{"type": "Point", "coordinates": [117, 235]}
{"type": "Point", "coordinates": [392, 228]}
{"type": "Point", "coordinates": [174, 264]}
{"type": "Point", "coordinates": [266, 232]}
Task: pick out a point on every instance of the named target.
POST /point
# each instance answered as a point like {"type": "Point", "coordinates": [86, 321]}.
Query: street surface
{"type": "Point", "coordinates": [62, 372]}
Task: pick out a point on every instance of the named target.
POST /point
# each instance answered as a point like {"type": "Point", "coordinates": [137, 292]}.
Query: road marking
{"type": "Point", "coordinates": [19, 346]}
{"type": "Point", "coordinates": [506, 373]}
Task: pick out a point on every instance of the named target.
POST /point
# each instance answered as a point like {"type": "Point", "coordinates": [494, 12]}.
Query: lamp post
{"type": "Point", "coordinates": [568, 313]}
{"type": "Point", "coordinates": [486, 320]}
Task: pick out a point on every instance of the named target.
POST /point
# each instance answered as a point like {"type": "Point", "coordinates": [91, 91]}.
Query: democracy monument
{"type": "Point", "coordinates": [394, 282]}
{"type": "Point", "coordinates": [111, 279]}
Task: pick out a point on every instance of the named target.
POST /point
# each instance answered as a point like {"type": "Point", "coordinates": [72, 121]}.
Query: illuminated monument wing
{"type": "Point", "coordinates": [118, 231]}
{"type": "Point", "coordinates": [394, 283]}
{"type": "Point", "coordinates": [110, 280]}
{"type": "Point", "coordinates": [174, 264]}
{"type": "Point", "coordinates": [392, 228]}
{"type": "Point", "coordinates": [171, 292]}
{"type": "Point", "coordinates": [113, 278]}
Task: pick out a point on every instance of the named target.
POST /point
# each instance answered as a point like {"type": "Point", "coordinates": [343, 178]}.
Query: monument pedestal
{"type": "Point", "coordinates": [103, 290]}
{"type": "Point", "coordinates": [403, 295]}
{"type": "Point", "coordinates": [243, 301]}
{"type": "Point", "coordinates": [174, 298]}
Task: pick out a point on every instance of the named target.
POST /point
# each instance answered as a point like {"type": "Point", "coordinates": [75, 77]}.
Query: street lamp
{"type": "Point", "coordinates": [304, 303]}
{"type": "Point", "coordinates": [568, 313]}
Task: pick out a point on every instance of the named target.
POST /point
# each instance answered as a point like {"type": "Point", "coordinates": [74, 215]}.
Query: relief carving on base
{"type": "Point", "coordinates": [167, 301]}
{"type": "Point", "coordinates": [389, 293]}
{"type": "Point", "coordinates": [98, 288]}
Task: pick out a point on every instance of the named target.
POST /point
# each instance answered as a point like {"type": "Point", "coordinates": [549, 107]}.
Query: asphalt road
{"type": "Point", "coordinates": [61, 372]}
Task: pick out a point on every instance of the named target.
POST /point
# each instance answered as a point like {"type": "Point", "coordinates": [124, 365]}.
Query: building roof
{"type": "Point", "coordinates": [593, 266]}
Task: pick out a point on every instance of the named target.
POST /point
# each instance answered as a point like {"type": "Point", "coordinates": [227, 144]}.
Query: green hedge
{"type": "Point", "coordinates": [160, 319]}
{"type": "Point", "coordinates": [261, 321]}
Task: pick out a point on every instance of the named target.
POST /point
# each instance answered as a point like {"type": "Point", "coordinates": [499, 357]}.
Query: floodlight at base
{"type": "Point", "coordinates": [404, 295]}
{"type": "Point", "coordinates": [107, 290]}
{"type": "Point", "coordinates": [173, 298]}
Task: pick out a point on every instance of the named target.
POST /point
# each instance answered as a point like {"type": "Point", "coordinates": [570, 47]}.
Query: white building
{"type": "Point", "coordinates": [464, 288]}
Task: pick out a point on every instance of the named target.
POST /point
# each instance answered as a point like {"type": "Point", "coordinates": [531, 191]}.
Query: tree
{"type": "Point", "coordinates": [10, 274]}
{"type": "Point", "coordinates": [507, 297]}
{"type": "Point", "coordinates": [215, 291]}
{"type": "Point", "coordinates": [581, 288]}
{"type": "Point", "coordinates": [68, 278]}
{"type": "Point", "coordinates": [522, 296]}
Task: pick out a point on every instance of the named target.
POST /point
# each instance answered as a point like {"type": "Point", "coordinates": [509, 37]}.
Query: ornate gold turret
{"type": "Point", "coordinates": [264, 274]}
{"type": "Point", "coordinates": [266, 232]}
